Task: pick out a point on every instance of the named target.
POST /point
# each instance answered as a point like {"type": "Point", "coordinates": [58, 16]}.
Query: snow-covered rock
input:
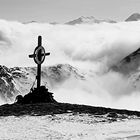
{"type": "Point", "coordinates": [8, 88]}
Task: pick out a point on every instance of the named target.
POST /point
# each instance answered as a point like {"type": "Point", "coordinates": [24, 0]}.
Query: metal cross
{"type": "Point", "coordinates": [39, 57]}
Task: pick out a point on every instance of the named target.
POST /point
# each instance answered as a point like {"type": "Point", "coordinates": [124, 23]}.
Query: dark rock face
{"type": "Point", "coordinates": [41, 95]}
{"type": "Point", "coordinates": [133, 17]}
{"type": "Point", "coordinates": [129, 64]}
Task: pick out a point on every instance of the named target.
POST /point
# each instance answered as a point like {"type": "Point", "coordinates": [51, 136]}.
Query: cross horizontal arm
{"type": "Point", "coordinates": [47, 53]}
{"type": "Point", "coordinates": [32, 55]}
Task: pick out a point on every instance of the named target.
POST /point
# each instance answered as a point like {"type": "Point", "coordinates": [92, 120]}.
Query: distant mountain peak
{"type": "Point", "coordinates": [133, 17]}
{"type": "Point", "coordinates": [88, 20]}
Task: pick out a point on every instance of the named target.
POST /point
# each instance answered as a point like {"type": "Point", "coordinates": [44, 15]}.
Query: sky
{"type": "Point", "coordinates": [65, 10]}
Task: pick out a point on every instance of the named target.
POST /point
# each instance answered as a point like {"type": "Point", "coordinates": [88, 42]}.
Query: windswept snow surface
{"type": "Point", "coordinates": [68, 127]}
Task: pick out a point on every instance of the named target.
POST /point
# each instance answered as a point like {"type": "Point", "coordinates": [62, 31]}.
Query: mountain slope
{"type": "Point", "coordinates": [130, 67]}
{"type": "Point", "coordinates": [133, 17]}
{"type": "Point", "coordinates": [129, 64]}
{"type": "Point", "coordinates": [8, 88]}
{"type": "Point", "coordinates": [19, 80]}
{"type": "Point", "coordinates": [59, 108]}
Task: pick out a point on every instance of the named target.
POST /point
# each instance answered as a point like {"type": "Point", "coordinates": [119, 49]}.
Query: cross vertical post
{"type": "Point", "coordinates": [39, 65]}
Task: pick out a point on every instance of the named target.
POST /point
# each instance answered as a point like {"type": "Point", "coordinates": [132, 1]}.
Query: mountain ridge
{"type": "Point", "coordinates": [60, 108]}
{"type": "Point", "coordinates": [88, 20]}
{"type": "Point", "coordinates": [19, 80]}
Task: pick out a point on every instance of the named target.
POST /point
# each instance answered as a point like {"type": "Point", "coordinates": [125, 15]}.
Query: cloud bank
{"type": "Point", "coordinates": [92, 49]}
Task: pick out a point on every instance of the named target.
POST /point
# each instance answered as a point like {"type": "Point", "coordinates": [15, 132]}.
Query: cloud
{"type": "Point", "coordinates": [92, 49]}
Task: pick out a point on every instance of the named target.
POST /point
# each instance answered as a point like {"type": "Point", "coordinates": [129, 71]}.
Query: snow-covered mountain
{"type": "Point", "coordinates": [133, 17]}
{"type": "Point", "coordinates": [88, 20]}
{"type": "Point", "coordinates": [19, 80]}
{"type": "Point", "coordinates": [130, 67]}
{"type": "Point", "coordinates": [8, 89]}
{"type": "Point", "coordinates": [130, 63]}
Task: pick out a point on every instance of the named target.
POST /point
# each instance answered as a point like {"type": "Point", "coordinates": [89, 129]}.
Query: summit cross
{"type": "Point", "coordinates": [39, 57]}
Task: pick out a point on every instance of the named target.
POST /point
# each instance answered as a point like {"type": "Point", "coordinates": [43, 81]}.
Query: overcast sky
{"type": "Point", "coordinates": [65, 10]}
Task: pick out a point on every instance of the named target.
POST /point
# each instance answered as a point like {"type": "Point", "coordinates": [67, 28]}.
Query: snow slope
{"type": "Point", "coordinates": [67, 122]}
{"type": "Point", "coordinates": [68, 127]}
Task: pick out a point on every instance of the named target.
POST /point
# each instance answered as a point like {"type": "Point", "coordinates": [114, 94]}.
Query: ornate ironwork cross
{"type": "Point", "coordinates": [39, 57]}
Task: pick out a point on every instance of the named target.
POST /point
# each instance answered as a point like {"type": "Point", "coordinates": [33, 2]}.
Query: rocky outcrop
{"type": "Point", "coordinates": [41, 95]}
